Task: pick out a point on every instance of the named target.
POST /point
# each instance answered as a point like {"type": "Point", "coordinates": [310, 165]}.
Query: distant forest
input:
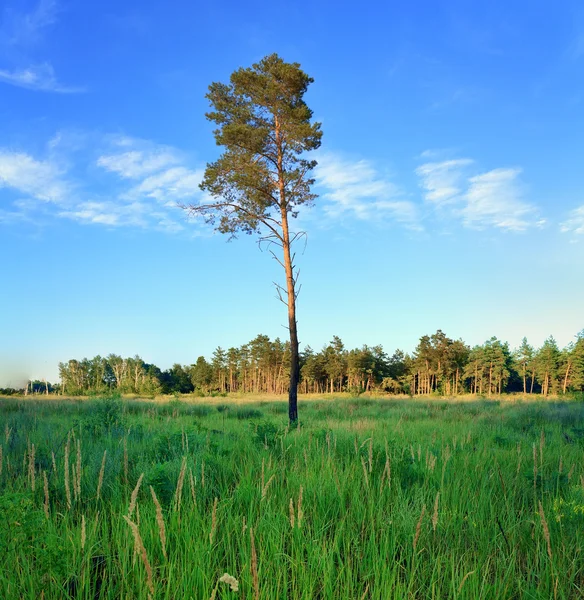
{"type": "Point", "coordinates": [439, 366]}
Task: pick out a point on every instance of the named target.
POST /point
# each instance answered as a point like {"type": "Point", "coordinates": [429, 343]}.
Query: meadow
{"type": "Point", "coordinates": [366, 499]}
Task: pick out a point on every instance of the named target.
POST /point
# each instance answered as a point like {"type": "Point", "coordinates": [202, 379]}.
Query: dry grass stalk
{"type": "Point", "coordinates": [101, 474]}
{"type": "Point", "coordinates": [141, 550]}
{"type": "Point", "coordinates": [560, 466]}
{"type": "Point", "coordinates": [365, 592]}
{"type": "Point", "coordinates": [570, 472]}
{"type": "Point", "coordinates": [365, 476]}
{"type": "Point", "coordinates": [83, 533]}
{"type": "Point", "coordinates": [266, 487]}
{"type": "Point", "coordinates": [213, 521]}
{"type": "Point", "coordinates": [546, 531]}
{"type": "Point", "coordinates": [292, 516]}
{"type": "Point", "coordinates": [126, 479]}
{"type": "Point", "coordinates": [431, 462]}
{"type": "Point", "coordinates": [435, 515]}
{"type": "Point", "coordinates": [300, 511]}
{"type": "Point", "coordinates": [192, 484]}
{"type": "Point", "coordinates": [534, 468]}
{"type": "Point", "coordinates": [159, 521]}
{"type": "Point", "coordinates": [179, 484]}
{"type": "Point", "coordinates": [203, 474]}
{"type": "Point", "coordinates": [254, 566]}
{"type": "Point", "coordinates": [66, 473]}
{"type": "Point", "coordinates": [371, 455]}
{"type": "Point", "coordinates": [386, 473]}
{"type": "Point", "coordinates": [46, 490]}
{"type": "Point", "coordinates": [74, 477]}
{"type": "Point", "coordinates": [243, 527]}
{"type": "Point", "coordinates": [78, 481]}
{"type": "Point", "coordinates": [463, 580]}
{"type": "Point", "coordinates": [214, 592]}
{"type": "Point", "coordinates": [134, 496]}
{"type": "Point", "coordinates": [419, 527]}
{"type": "Point", "coordinates": [54, 462]}
{"type": "Point", "coordinates": [31, 469]}
{"type": "Point", "coordinates": [336, 479]}
{"type": "Point", "coordinates": [1, 459]}
{"type": "Point", "coordinates": [263, 475]}
{"type": "Point", "coordinates": [518, 465]}
{"type": "Point", "coordinates": [7, 433]}
{"type": "Point", "coordinates": [541, 447]}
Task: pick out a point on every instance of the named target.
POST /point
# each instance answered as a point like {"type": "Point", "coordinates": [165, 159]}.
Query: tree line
{"type": "Point", "coordinates": [438, 366]}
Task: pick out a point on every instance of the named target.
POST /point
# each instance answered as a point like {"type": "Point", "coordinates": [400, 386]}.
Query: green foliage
{"type": "Point", "coordinates": [266, 433]}
{"type": "Point", "coordinates": [107, 415]}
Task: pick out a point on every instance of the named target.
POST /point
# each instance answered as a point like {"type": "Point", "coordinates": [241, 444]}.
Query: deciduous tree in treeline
{"type": "Point", "coordinates": [263, 177]}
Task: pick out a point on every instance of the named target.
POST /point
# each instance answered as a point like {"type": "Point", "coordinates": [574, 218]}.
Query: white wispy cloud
{"type": "Point", "coordinates": [150, 180]}
{"type": "Point", "coordinates": [479, 200]}
{"type": "Point", "coordinates": [171, 185]}
{"type": "Point", "coordinates": [357, 189]}
{"type": "Point", "coordinates": [161, 170]}
{"type": "Point", "coordinates": [20, 33]}
{"type": "Point", "coordinates": [495, 199]}
{"type": "Point", "coordinates": [442, 181]}
{"type": "Point", "coordinates": [138, 163]}
{"type": "Point", "coordinates": [25, 28]}
{"type": "Point", "coordinates": [40, 179]}
{"type": "Point", "coordinates": [575, 222]}
{"type": "Point", "coordinates": [40, 78]}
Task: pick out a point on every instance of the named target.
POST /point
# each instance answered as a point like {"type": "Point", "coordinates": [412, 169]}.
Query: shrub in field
{"type": "Point", "coordinates": [243, 413]}
{"type": "Point", "coordinates": [107, 414]}
{"type": "Point", "coordinates": [266, 434]}
{"type": "Point", "coordinates": [162, 478]}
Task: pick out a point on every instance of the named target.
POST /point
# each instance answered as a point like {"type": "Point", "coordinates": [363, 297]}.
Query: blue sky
{"type": "Point", "coordinates": [450, 179]}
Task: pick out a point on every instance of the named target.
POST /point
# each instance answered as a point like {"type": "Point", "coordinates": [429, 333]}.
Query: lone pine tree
{"type": "Point", "coordinates": [263, 176]}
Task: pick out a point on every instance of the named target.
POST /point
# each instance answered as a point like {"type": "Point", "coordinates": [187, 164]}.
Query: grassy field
{"type": "Point", "coordinates": [367, 499]}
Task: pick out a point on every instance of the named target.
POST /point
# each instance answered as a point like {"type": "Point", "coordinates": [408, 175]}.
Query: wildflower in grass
{"type": "Point", "coordinates": [231, 581]}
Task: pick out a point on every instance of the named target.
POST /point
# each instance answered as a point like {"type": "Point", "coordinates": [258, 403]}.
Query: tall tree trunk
{"type": "Point", "coordinates": [566, 377]}
{"type": "Point", "coordinates": [291, 302]}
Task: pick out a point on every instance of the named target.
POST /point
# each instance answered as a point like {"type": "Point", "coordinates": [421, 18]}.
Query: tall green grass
{"type": "Point", "coordinates": [367, 499]}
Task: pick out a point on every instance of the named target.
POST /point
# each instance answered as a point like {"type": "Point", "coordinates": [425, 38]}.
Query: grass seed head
{"type": "Point", "coordinates": [134, 496]}
{"type": "Point", "coordinates": [419, 528]}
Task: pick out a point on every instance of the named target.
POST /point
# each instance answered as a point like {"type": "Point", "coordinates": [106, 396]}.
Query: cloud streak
{"type": "Point", "coordinates": [19, 34]}
{"type": "Point", "coordinates": [40, 179]}
{"type": "Point", "coordinates": [442, 181]}
{"type": "Point", "coordinates": [357, 189]}
{"type": "Point", "coordinates": [38, 78]}
{"type": "Point", "coordinates": [493, 199]}
{"type": "Point", "coordinates": [575, 222]}
{"type": "Point", "coordinates": [149, 181]}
